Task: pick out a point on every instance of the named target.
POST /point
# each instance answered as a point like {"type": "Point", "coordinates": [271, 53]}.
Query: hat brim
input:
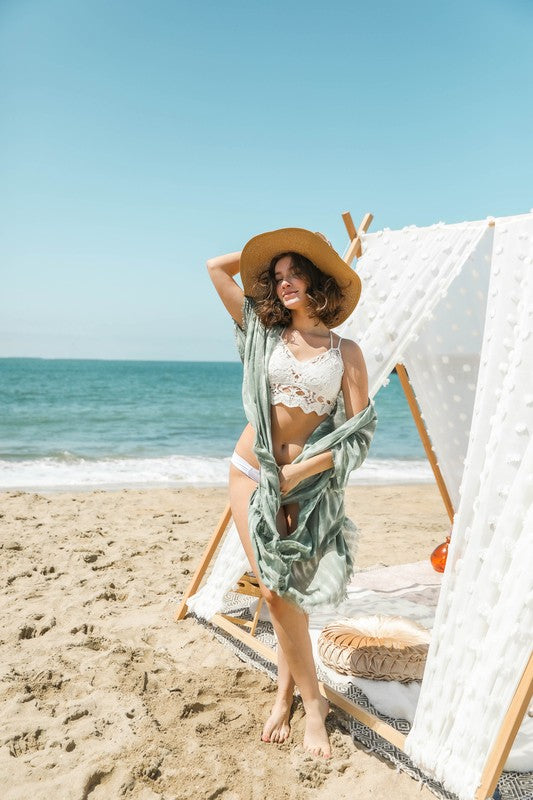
{"type": "Point", "coordinates": [260, 250]}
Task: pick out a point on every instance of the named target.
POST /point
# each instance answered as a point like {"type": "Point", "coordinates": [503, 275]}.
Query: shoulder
{"type": "Point", "coordinates": [352, 353]}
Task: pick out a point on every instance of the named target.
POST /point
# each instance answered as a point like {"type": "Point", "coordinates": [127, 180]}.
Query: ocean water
{"type": "Point", "coordinates": [97, 423]}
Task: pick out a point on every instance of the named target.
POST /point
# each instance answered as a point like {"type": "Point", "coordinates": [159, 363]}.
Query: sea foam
{"type": "Point", "coordinates": [70, 472]}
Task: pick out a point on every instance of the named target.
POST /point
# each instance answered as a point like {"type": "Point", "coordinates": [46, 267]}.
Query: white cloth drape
{"type": "Point", "coordinates": [482, 635]}
{"type": "Point", "coordinates": [443, 363]}
{"type": "Point", "coordinates": [230, 564]}
{"type": "Point", "coordinates": [405, 275]}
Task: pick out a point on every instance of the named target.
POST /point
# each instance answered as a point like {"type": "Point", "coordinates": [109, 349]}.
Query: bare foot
{"type": "Point", "coordinates": [316, 740]}
{"type": "Point", "coordinates": [277, 727]}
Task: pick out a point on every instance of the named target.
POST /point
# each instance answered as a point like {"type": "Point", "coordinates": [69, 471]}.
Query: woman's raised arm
{"type": "Point", "coordinates": [221, 271]}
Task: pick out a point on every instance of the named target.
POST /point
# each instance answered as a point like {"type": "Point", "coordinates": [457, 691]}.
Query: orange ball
{"type": "Point", "coordinates": [439, 556]}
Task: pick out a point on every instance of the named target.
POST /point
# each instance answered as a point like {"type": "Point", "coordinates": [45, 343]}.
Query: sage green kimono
{"type": "Point", "coordinates": [313, 565]}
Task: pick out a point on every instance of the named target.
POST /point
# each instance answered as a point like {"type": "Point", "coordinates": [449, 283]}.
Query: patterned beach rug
{"type": "Point", "coordinates": [411, 590]}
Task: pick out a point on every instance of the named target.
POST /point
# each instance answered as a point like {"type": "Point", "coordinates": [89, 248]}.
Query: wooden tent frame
{"type": "Point", "coordinates": [497, 757]}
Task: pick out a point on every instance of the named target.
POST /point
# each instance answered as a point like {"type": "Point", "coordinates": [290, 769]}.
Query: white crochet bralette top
{"type": "Point", "coordinates": [312, 385]}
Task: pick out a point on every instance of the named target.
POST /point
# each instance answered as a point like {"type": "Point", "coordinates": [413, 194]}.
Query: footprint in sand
{"type": "Point", "coordinates": [75, 715]}
{"type": "Point", "coordinates": [85, 629]}
{"type": "Point", "coordinates": [209, 718]}
{"type": "Point", "coordinates": [190, 709]}
{"type": "Point", "coordinates": [12, 544]}
{"type": "Point", "coordinates": [27, 742]}
{"type": "Point", "coordinates": [47, 626]}
{"type": "Point", "coordinates": [93, 781]}
{"type": "Point", "coordinates": [50, 573]}
{"type": "Point", "coordinates": [12, 578]}
{"type": "Point", "coordinates": [27, 632]}
{"type": "Point", "coordinates": [40, 684]}
{"type": "Point", "coordinates": [150, 771]}
{"type": "Point", "coordinates": [150, 766]}
{"type": "Point", "coordinates": [312, 773]}
{"type": "Point", "coordinates": [107, 595]}
{"type": "Point", "coordinates": [217, 793]}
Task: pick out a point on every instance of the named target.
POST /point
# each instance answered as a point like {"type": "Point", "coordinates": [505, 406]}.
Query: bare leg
{"type": "Point", "coordinates": [291, 626]}
{"type": "Point", "coordinates": [277, 726]}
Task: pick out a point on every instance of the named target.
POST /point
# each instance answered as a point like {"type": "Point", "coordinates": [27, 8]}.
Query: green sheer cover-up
{"type": "Point", "coordinates": [313, 565]}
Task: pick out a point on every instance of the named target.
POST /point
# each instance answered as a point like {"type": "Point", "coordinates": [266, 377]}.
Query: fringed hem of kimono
{"type": "Point", "coordinates": [313, 565]}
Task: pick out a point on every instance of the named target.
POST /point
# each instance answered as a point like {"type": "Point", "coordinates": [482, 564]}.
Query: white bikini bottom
{"type": "Point", "coordinates": [244, 466]}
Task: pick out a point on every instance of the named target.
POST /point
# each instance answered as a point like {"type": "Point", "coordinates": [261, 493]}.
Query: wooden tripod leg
{"type": "Point", "coordinates": [355, 247]}
{"type": "Point", "coordinates": [422, 432]}
{"type": "Point", "coordinates": [506, 736]}
{"type": "Point", "coordinates": [205, 561]}
{"type": "Point", "coordinates": [255, 620]}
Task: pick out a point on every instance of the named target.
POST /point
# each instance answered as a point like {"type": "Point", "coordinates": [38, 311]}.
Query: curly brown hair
{"type": "Point", "coordinates": [323, 293]}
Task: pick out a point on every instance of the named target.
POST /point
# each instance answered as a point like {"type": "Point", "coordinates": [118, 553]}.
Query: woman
{"type": "Point", "coordinates": [305, 394]}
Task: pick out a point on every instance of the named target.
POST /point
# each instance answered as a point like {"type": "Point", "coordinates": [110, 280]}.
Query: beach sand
{"type": "Point", "coordinates": [105, 696]}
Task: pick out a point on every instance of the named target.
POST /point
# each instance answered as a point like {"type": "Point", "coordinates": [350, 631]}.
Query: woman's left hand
{"type": "Point", "coordinates": [290, 476]}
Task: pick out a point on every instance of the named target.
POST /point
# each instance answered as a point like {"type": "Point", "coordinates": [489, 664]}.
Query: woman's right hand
{"type": "Point", "coordinates": [290, 476]}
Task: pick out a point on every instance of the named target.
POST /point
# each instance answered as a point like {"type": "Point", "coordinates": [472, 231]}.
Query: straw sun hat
{"type": "Point", "coordinates": [259, 252]}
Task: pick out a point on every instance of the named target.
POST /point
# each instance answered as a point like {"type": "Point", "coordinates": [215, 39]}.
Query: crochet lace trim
{"type": "Point", "coordinates": [312, 385]}
{"type": "Point", "coordinates": [294, 397]}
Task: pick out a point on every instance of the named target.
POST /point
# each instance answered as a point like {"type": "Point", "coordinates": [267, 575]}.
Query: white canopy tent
{"type": "Point", "coordinates": [482, 637]}
{"type": "Point", "coordinates": [423, 305]}
{"type": "Point", "coordinates": [454, 305]}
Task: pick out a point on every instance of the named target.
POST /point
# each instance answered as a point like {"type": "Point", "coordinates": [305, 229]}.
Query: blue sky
{"type": "Point", "coordinates": [140, 137]}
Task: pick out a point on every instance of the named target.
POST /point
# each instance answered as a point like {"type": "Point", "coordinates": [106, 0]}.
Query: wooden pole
{"type": "Point", "coordinates": [355, 247]}
{"type": "Point", "coordinates": [366, 222]}
{"type": "Point", "coordinates": [422, 432]}
{"type": "Point", "coordinates": [350, 227]}
{"type": "Point", "coordinates": [507, 733]}
{"type": "Point", "coordinates": [204, 562]}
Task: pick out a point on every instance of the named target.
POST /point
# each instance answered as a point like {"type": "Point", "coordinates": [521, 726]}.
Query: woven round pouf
{"type": "Point", "coordinates": [378, 647]}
